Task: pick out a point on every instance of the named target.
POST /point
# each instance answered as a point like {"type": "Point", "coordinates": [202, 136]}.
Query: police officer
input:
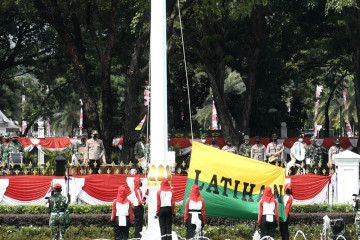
{"type": "Point", "coordinates": [95, 151]}
{"type": "Point", "coordinates": [258, 150]}
{"type": "Point", "coordinates": [12, 147]}
{"type": "Point", "coordinates": [335, 149]}
{"type": "Point", "coordinates": [275, 151]}
{"type": "Point", "coordinates": [76, 156]}
{"type": "Point", "coordinates": [59, 216]}
{"type": "Point", "coordinates": [213, 143]}
{"type": "Point", "coordinates": [229, 147]}
{"type": "Point", "coordinates": [245, 148]}
{"type": "Point", "coordinates": [313, 155]}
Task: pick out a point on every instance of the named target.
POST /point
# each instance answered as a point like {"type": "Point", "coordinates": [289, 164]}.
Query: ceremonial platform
{"type": "Point", "coordinates": [102, 188]}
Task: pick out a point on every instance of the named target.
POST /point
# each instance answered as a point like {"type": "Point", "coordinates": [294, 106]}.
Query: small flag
{"type": "Point", "coordinates": [141, 124]}
{"type": "Point", "coordinates": [214, 125]}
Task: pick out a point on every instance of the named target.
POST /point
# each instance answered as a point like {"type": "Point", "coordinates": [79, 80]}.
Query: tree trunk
{"type": "Point", "coordinates": [257, 25]}
{"type": "Point", "coordinates": [327, 106]}
{"type": "Point", "coordinates": [356, 61]}
{"type": "Point", "coordinates": [213, 59]}
{"type": "Point", "coordinates": [133, 112]}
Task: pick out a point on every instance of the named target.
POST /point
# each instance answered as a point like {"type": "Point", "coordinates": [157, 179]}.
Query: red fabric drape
{"type": "Point", "coordinates": [104, 187]}
{"type": "Point", "coordinates": [178, 182]}
{"type": "Point", "coordinates": [55, 142]}
{"type": "Point", "coordinates": [307, 186]}
{"type": "Point", "coordinates": [28, 188]}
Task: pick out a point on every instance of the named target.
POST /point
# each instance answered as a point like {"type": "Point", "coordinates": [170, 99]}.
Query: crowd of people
{"type": "Point", "coordinates": [303, 158]}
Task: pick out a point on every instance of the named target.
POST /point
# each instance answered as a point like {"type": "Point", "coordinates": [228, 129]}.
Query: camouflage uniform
{"type": "Point", "coordinates": [2, 144]}
{"type": "Point", "coordinates": [356, 207]}
{"type": "Point", "coordinates": [142, 153]}
{"type": "Point", "coordinates": [314, 153]}
{"type": "Point", "coordinates": [75, 150]}
{"type": "Point", "coordinates": [59, 215]}
{"type": "Point", "coordinates": [12, 148]}
{"type": "Point", "coordinates": [245, 149]}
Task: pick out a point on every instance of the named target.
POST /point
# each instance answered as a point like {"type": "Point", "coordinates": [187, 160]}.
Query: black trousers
{"type": "Point", "coordinates": [191, 228]}
{"type": "Point", "coordinates": [138, 220]}
{"type": "Point", "coordinates": [284, 229]}
{"type": "Point", "coordinates": [165, 222]}
{"type": "Point", "coordinates": [121, 232]}
{"type": "Point", "coordinates": [92, 166]}
{"type": "Point", "coordinates": [267, 228]}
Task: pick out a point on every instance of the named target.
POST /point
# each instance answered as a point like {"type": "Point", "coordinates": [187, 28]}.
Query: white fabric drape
{"type": "Point", "coordinates": [322, 197]}
{"type": "Point", "coordinates": [4, 183]}
{"type": "Point", "coordinates": [89, 199]}
{"type": "Point", "coordinates": [76, 185]}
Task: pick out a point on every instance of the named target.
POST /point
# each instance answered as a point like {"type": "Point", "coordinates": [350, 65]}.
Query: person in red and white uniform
{"type": "Point", "coordinates": [138, 201]}
{"type": "Point", "coordinates": [121, 215]}
{"type": "Point", "coordinates": [268, 214]}
{"type": "Point", "coordinates": [165, 209]}
{"type": "Point", "coordinates": [288, 200]}
{"type": "Point", "coordinates": [194, 217]}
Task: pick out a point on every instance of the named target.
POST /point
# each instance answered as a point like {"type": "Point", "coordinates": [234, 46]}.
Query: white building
{"type": "Point", "coordinates": [7, 126]}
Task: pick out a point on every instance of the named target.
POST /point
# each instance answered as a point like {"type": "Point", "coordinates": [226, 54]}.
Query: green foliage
{"type": "Point", "coordinates": [238, 232]}
{"type": "Point", "coordinates": [51, 155]}
{"type": "Point", "coordinates": [317, 208]}
{"type": "Point", "coordinates": [106, 208]}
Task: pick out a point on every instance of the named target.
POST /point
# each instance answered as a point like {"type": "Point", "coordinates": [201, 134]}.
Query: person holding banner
{"type": "Point", "coordinates": [138, 201]}
{"type": "Point", "coordinates": [288, 200]}
{"type": "Point", "coordinates": [165, 209]}
{"type": "Point", "coordinates": [268, 217]}
{"type": "Point", "coordinates": [122, 215]}
{"type": "Point", "coordinates": [194, 217]}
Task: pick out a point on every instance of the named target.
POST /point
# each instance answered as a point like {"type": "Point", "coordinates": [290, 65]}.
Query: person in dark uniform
{"type": "Point", "coordinates": [122, 215]}
{"type": "Point", "coordinates": [138, 201]}
{"type": "Point", "coordinates": [165, 209]}
{"type": "Point", "coordinates": [288, 200]}
{"type": "Point", "coordinates": [194, 217]}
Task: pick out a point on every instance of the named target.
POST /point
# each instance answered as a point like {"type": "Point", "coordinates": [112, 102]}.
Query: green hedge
{"type": "Point", "coordinates": [106, 208]}
{"type": "Point", "coordinates": [237, 232]}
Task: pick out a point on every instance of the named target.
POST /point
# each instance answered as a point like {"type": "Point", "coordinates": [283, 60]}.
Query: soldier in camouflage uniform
{"type": "Point", "coordinates": [3, 154]}
{"type": "Point", "coordinates": [141, 152]}
{"type": "Point", "coordinates": [245, 148]}
{"type": "Point", "coordinates": [258, 150]}
{"type": "Point", "coordinates": [12, 147]}
{"type": "Point", "coordinates": [356, 208]}
{"type": "Point", "coordinates": [75, 150]}
{"type": "Point", "coordinates": [1, 146]}
{"type": "Point", "coordinates": [59, 216]}
{"type": "Point", "coordinates": [313, 156]}
{"type": "Point", "coordinates": [229, 147]}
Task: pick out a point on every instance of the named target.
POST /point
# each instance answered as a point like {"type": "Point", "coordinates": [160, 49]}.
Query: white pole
{"type": "Point", "coordinates": [158, 110]}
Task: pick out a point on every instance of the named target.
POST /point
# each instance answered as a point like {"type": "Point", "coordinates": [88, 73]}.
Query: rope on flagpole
{"type": "Point", "coordinates": [186, 72]}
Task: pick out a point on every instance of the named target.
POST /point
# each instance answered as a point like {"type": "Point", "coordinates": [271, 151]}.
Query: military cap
{"type": "Point", "coordinates": [257, 138]}
{"type": "Point", "coordinates": [274, 136]}
{"type": "Point", "coordinates": [57, 186]}
{"type": "Point", "coordinates": [246, 137]}
{"type": "Point", "coordinates": [337, 141]}
{"type": "Point", "coordinates": [94, 132]}
{"type": "Point", "coordinates": [313, 138]}
{"type": "Point", "coordinates": [14, 135]}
